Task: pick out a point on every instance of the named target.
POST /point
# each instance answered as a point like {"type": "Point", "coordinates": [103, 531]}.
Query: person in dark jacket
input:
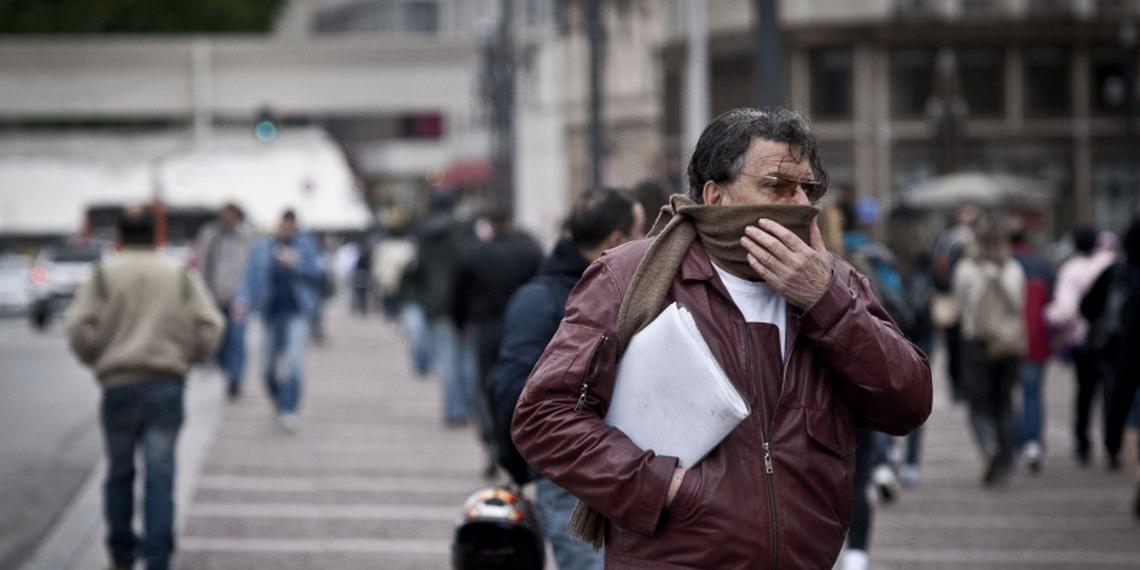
{"type": "Point", "coordinates": [601, 218]}
{"type": "Point", "coordinates": [439, 239]}
{"type": "Point", "coordinates": [489, 272]}
{"type": "Point", "coordinates": [796, 330]}
{"type": "Point", "coordinates": [1111, 307]}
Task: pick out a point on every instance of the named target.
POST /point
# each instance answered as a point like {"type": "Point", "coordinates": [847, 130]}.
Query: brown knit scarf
{"type": "Point", "coordinates": [679, 223]}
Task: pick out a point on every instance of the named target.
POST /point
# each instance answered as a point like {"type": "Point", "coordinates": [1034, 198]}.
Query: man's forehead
{"type": "Point", "coordinates": [772, 156]}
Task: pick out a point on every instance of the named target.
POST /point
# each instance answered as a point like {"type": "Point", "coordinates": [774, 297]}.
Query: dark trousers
{"type": "Point", "coordinates": [866, 456]}
{"type": "Point", "coordinates": [953, 338]}
{"type": "Point", "coordinates": [145, 416]}
{"type": "Point", "coordinates": [1090, 377]}
{"type": "Point", "coordinates": [1121, 402]}
{"type": "Point", "coordinates": [989, 389]}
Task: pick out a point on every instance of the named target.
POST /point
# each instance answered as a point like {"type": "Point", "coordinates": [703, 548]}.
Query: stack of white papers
{"type": "Point", "coordinates": [671, 395]}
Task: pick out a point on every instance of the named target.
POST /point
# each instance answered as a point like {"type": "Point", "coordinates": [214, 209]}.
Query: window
{"type": "Point", "coordinates": [831, 83]}
{"type": "Point", "coordinates": [912, 82]}
{"type": "Point", "coordinates": [1108, 90]}
{"type": "Point", "coordinates": [982, 80]}
{"type": "Point", "coordinates": [1047, 77]}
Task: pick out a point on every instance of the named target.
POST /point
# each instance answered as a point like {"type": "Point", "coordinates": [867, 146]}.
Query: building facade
{"type": "Point", "coordinates": [1035, 88]}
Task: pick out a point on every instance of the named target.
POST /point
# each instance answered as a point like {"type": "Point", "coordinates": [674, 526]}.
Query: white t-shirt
{"type": "Point", "coordinates": [758, 302]}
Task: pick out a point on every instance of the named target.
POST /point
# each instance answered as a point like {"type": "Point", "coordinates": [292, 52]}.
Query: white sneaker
{"type": "Point", "coordinates": [855, 559]}
{"type": "Point", "coordinates": [1032, 454]}
{"type": "Point", "coordinates": [886, 483]}
{"type": "Point", "coordinates": [289, 422]}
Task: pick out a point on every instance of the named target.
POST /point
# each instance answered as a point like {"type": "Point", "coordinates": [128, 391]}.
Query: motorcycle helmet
{"type": "Point", "coordinates": [498, 528]}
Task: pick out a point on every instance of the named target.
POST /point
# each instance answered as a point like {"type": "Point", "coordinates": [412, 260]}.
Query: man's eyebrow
{"type": "Point", "coordinates": [782, 173]}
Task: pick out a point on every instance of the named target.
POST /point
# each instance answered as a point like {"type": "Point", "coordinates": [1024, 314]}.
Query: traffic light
{"type": "Point", "coordinates": [265, 128]}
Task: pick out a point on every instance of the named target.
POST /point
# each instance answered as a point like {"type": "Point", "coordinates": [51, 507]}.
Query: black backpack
{"type": "Point", "coordinates": [1105, 330]}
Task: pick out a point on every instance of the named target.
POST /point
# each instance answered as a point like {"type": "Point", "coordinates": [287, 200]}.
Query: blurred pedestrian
{"type": "Point", "coordinates": [1074, 278]}
{"type": "Point", "coordinates": [361, 278]}
{"type": "Point", "coordinates": [326, 289]}
{"type": "Point", "coordinates": [1039, 278]}
{"type": "Point", "coordinates": [439, 238]}
{"type": "Point", "coordinates": [222, 251]}
{"type": "Point", "coordinates": [600, 219]}
{"type": "Point", "coordinates": [140, 322]}
{"type": "Point", "coordinates": [489, 273]}
{"type": "Point", "coordinates": [948, 248]}
{"type": "Point", "coordinates": [907, 236]}
{"type": "Point", "coordinates": [1109, 307]}
{"type": "Point", "coordinates": [651, 196]}
{"type": "Point", "coordinates": [390, 260]}
{"type": "Point", "coordinates": [1121, 304]}
{"type": "Point", "coordinates": [989, 288]}
{"type": "Point", "coordinates": [872, 464]}
{"type": "Point", "coordinates": [282, 284]}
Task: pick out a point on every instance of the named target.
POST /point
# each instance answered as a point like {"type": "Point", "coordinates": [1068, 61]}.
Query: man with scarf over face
{"type": "Point", "coordinates": [797, 331]}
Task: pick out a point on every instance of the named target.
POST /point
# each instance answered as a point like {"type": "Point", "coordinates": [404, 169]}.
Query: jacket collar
{"type": "Point", "coordinates": [696, 266]}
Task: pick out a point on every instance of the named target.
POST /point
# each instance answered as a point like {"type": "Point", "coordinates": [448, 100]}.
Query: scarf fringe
{"type": "Point", "coordinates": [588, 525]}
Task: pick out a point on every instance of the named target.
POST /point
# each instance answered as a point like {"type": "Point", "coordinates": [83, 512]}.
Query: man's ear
{"type": "Point", "coordinates": [711, 193]}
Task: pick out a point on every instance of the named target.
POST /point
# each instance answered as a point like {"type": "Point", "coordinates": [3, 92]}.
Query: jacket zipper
{"type": "Point", "coordinates": [591, 369]}
{"type": "Point", "coordinates": [768, 467]}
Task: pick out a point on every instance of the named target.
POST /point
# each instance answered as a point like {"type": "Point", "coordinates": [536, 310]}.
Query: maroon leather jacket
{"type": "Point", "coordinates": [777, 491]}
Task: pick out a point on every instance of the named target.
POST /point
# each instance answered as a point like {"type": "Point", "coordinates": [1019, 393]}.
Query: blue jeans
{"type": "Point", "coordinates": [147, 416]}
{"type": "Point", "coordinates": [459, 368]}
{"type": "Point", "coordinates": [231, 353]}
{"type": "Point", "coordinates": [419, 337]}
{"type": "Point", "coordinates": [286, 339]}
{"type": "Point", "coordinates": [555, 505]}
{"type": "Point", "coordinates": [1032, 416]}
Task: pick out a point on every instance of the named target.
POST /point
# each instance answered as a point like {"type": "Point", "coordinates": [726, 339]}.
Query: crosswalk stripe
{"type": "Point", "coordinates": [292, 545]}
{"type": "Point", "coordinates": [317, 511]}
{"type": "Point", "coordinates": [313, 484]}
{"type": "Point", "coordinates": [1020, 556]}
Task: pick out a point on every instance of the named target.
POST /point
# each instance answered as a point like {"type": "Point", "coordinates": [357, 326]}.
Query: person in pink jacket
{"type": "Point", "coordinates": [1063, 316]}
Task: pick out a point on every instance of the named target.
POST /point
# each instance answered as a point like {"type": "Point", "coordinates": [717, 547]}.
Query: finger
{"type": "Point", "coordinates": [769, 242]}
{"type": "Point", "coordinates": [763, 255]}
{"type": "Point", "coordinates": [791, 240]}
{"type": "Point", "coordinates": [816, 236]}
{"type": "Point", "coordinates": [764, 272]}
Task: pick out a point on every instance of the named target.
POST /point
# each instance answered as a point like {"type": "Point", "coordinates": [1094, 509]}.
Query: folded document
{"type": "Point", "coordinates": [671, 395]}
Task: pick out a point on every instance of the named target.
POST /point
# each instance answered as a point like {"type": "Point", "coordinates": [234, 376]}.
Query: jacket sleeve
{"type": "Point", "coordinates": [209, 323]}
{"type": "Point", "coordinates": [528, 324]}
{"type": "Point", "coordinates": [82, 324]}
{"type": "Point", "coordinates": [309, 265]}
{"type": "Point", "coordinates": [249, 291]}
{"type": "Point", "coordinates": [885, 377]}
{"type": "Point", "coordinates": [569, 443]}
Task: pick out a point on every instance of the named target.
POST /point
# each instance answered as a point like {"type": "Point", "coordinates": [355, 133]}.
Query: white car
{"type": "Point", "coordinates": [15, 296]}
{"type": "Point", "coordinates": [58, 271]}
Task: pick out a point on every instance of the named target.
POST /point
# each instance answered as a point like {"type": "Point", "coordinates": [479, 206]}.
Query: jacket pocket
{"type": "Point", "coordinates": [687, 499]}
{"type": "Point", "coordinates": [836, 465]}
{"type": "Point", "coordinates": [573, 362]}
{"type": "Point", "coordinates": [823, 428]}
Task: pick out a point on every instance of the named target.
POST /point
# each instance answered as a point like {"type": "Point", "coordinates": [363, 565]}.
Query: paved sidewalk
{"type": "Point", "coordinates": [1063, 517]}
{"type": "Point", "coordinates": [371, 480]}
